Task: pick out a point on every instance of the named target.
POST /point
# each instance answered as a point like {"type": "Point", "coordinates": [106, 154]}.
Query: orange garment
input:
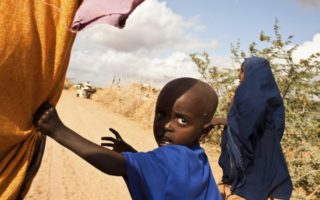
{"type": "Point", "coordinates": [35, 46]}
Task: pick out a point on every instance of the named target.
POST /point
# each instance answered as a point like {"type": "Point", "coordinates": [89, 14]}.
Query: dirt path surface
{"type": "Point", "coordinates": [65, 176]}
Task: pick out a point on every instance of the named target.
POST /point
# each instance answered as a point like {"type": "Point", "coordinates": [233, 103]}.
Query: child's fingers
{"type": "Point", "coordinates": [50, 110]}
{"type": "Point", "coordinates": [45, 116]}
{"type": "Point", "coordinates": [115, 133]}
{"type": "Point", "coordinates": [107, 144]}
{"type": "Point", "coordinates": [40, 111]}
{"type": "Point", "coordinates": [37, 117]}
{"type": "Point", "coordinates": [109, 139]}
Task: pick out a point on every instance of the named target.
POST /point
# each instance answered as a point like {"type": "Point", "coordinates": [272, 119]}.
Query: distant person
{"type": "Point", "coordinates": [178, 169]}
{"type": "Point", "coordinates": [252, 160]}
{"type": "Point", "coordinates": [87, 85]}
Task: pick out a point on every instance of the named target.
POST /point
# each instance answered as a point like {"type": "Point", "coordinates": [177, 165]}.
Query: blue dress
{"type": "Point", "coordinates": [171, 172]}
{"type": "Point", "coordinates": [251, 156]}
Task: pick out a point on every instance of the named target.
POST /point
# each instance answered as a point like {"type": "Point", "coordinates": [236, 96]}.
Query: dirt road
{"type": "Point", "coordinates": [64, 176]}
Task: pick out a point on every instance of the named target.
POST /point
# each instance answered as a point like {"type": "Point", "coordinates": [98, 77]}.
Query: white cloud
{"type": "Point", "coordinates": [176, 65]}
{"type": "Point", "coordinates": [152, 26]}
{"type": "Point", "coordinates": [101, 67]}
{"type": "Point", "coordinates": [153, 47]}
{"type": "Point", "coordinates": [307, 48]}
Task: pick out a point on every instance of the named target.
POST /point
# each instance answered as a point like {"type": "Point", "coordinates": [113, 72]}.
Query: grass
{"type": "Point", "coordinates": [136, 101]}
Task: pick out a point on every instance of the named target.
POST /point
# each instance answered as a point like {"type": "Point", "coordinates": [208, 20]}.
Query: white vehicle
{"type": "Point", "coordinates": [85, 90]}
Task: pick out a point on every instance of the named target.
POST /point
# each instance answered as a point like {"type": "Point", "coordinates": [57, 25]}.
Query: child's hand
{"type": "Point", "coordinates": [117, 144]}
{"type": "Point", "coordinates": [219, 121]}
{"type": "Point", "coordinates": [46, 119]}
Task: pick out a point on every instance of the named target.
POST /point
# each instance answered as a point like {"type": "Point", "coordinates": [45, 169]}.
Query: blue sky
{"type": "Point", "coordinates": [154, 46]}
{"type": "Point", "coordinates": [226, 21]}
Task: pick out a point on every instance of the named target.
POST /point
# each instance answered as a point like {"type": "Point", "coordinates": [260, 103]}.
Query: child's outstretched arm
{"type": "Point", "coordinates": [117, 143]}
{"type": "Point", "coordinates": [106, 160]}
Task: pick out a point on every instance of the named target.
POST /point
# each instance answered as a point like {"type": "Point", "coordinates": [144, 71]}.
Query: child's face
{"type": "Point", "coordinates": [179, 119]}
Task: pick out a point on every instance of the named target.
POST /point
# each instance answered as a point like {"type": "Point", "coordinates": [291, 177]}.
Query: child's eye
{"type": "Point", "coordinates": [182, 121]}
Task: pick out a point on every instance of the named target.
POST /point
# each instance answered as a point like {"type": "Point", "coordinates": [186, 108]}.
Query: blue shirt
{"type": "Point", "coordinates": [170, 172]}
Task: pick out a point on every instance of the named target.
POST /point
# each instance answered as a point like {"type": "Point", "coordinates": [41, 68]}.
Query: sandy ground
{"type": "Point", "coordinates": [63, 175]}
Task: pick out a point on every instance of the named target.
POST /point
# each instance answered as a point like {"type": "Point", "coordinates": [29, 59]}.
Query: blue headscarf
{"type": "Point", "coordinates": [256, 118]}
{"type": "Point", "coordinates": [257, 93]}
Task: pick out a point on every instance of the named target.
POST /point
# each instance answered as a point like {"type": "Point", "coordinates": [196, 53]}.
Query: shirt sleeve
{"type": "Point", "coordinates": [147, 174]}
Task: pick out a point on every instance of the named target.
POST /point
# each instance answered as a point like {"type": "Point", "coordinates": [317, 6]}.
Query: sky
{"type": "Point", "coordinates": [159, 36]}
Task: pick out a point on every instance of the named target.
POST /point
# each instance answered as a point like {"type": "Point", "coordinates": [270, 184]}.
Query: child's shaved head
{"type": "Point", "coordinates": [184, 111]}
{"type": "Point", "coordinates": [202, 94]}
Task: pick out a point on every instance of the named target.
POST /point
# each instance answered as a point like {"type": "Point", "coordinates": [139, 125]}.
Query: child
{"type": "Point", "coordinates": [178, 169]}
{"type": "Point", "coordinates": [252, 160]}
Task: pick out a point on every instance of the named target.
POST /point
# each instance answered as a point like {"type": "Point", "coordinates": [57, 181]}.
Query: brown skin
{"type": "Point", "coordinates": [50, 124]}
{"type": "Point", "coordinates": [183, 114]}
{"type": "Point", "coordinates": [117, 144]}
{"type": "Point", "coordinates": [219, 121]}
{"type": "Point", "coordinates": [241, 73]}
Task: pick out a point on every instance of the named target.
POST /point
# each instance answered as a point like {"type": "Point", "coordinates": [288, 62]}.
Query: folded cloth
{"type": "Point", "coordinates": [114, 12]}
{"type": "Point", "coordinates": [35, 45]}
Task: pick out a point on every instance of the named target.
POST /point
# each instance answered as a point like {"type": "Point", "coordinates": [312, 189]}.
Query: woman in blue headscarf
{"type": "Point", "coordinates": [251, 157]}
